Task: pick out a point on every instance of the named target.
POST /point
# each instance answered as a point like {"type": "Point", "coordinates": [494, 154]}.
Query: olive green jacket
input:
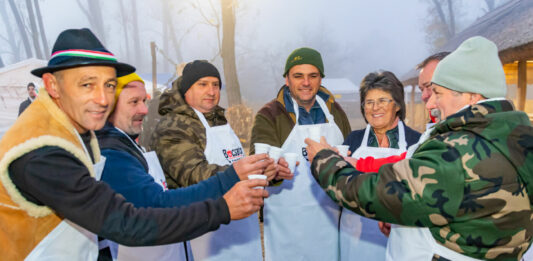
{"type": "Point", "coordinates": [273, 123]}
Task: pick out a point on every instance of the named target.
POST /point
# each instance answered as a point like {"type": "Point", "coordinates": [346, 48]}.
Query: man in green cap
{"type": "Point", "coordinates": [468, 187]}
{"type": "Point", "coordinates": [298, 214]}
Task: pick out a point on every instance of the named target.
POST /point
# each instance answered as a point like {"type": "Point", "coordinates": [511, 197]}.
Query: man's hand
{"type": "Point", "coordinates": [283, 170]}
{"type": "Point", "coordinates": [271, 171]}
{"type": "Point", "coordinates": [314, 147]}
{"type": "Point", "coordinates": [351, 160]}
{"type": "Point", "coordinates": [255, 164]}
{"type": "Point", "coordinates": [385, 228]}
{"type": "Point", "coordinates": [243, 200]}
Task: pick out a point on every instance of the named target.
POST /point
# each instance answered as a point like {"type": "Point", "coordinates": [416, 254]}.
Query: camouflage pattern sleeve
{"type": "Point", "coordinates": [182, 159]}
{"type": "Point", "coordinates": [414, 192]}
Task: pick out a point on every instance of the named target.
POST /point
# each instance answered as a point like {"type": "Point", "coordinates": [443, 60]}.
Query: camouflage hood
{"type": "Point", "coordinates": [497, 123]}
{"type": "Point", "coordinates": [172, 101]}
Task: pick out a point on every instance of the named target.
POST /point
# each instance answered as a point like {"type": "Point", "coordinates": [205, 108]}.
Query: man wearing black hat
{"type": "Point", "coordinates": [50, 203]}
{"type": "Point", "coordinates": [194, 141]}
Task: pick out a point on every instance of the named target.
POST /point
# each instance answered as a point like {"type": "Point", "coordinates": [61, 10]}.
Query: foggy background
{"type": "Point", "coordinates": [355, 37]}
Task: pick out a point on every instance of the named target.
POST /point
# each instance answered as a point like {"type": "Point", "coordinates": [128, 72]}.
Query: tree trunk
{"type": "Point", "coordinates": [136, 38]}
{"type": "Point", "coordinates": [10, 33]}
{"type": "Point", "coordinates": [97, 20]}
{"type": "Point", "coordinates": [442, 18]}
{"type": "Point", "coordinates": [34, 32]}
{"type": "Point", "coordinates": [490, 5]}
{"type": "Point", "coordinates": [22, 31]}
{"type": "Point", "coordinates": [452, 18]}
{"type": "Point", "coordinates": [94, 15]}
{"type": "Point", "coordinates": [46, 49]}
{"type": "Point", "coordinates": [228, 52]}
{"type": "Point", "coordinates": [125, 29]}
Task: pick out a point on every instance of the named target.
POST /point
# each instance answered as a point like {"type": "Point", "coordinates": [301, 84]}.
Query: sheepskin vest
{"type": "Point", "coordinates": [24, 224]}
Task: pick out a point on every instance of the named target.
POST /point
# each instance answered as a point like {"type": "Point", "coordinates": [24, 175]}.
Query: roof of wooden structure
{"type": "Point", "coordinates": [508, 26]}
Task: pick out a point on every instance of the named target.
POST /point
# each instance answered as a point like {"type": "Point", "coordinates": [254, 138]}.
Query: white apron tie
{"type": "Point", "coordinates": [68, 241]}
{"type": "Point", "coordinates": [168, 252]}
{"type": "Point", "coordinates": [301, 222]}
{"type": "Point", "coordinates": [360, 237]}
{"type": "Point", "coordinates": [241, 239]}
{"type": "Point", "coordinates": [417, 243]}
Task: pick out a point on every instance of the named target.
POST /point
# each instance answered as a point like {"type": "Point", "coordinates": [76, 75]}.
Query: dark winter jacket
{"type": "Point", "coordinates": [356, 137]}
{"type": "Point", "coordinates": [126, 171]}
{"type": "Point", "coordinates": [273, 123]}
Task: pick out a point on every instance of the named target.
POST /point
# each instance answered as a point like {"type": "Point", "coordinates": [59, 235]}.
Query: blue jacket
{"type": "Point", "coordinates": [126, 171]}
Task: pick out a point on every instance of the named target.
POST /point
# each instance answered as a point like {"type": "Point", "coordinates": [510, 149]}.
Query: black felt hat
{"type": "Point", "coordinates": [80, 47]}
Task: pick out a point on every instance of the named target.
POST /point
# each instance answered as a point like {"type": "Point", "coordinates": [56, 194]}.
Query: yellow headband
{"type": "Point", "coordinates": [123, 81]}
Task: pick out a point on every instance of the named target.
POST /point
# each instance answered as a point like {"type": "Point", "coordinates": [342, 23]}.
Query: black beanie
{"type": "Point", "coordinates": [195, 70]}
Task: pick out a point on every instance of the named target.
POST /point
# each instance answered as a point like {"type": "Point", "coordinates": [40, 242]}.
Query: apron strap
{"type": "Point", "coordinates": [402, 144]}
{"type": "Point", "coordinates": [322, 105]}
{"type": "Point", "coordinates": [202, 119]}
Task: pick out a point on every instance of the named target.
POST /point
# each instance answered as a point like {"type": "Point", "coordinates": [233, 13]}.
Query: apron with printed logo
{"type": "Point", "coordinates": [300, 221]}
{"type": "Point", "coordinates": [416, 243]}
{"type": "Point", "coordinates": [240, 239]}
{"type": "Point", "coordinates": [69, 241]}
{"type": "Point", "coordinates": [360, 237]}
{"type": "Point", "coordinates": [168, 252]}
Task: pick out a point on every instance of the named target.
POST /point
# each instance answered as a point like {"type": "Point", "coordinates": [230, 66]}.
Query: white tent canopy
{"type": "Point", "coordinates": [13, 81]}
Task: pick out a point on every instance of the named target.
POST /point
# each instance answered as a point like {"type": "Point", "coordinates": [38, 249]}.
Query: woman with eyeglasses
{"type": "Point", "coordinates": [385, 136]}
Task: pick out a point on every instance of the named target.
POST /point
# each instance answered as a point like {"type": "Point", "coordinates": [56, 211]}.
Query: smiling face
{"type": "Point", "coordinates": [382, 114]}
{"type": "Point", "coordinates": [304, 81]}
{"type": "Point", "coordinates": [204, 94]}
{"type": "Point", "coordinates": [130, 109]}
{"type": "Point", "coordinates": [84, 93]}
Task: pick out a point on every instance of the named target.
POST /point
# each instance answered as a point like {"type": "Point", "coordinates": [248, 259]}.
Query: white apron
{"type": "Point", "coordinates": [416, 243]}
{"type": "Point", "coordinates": [301, 222]}
{"type": "Point", "coordinates": [360, 237]}
{"type": "Point", "coordinates": [241, 239]}
{"type": "Point", "coordinates": [69, 241]}
{"type": "Point", "coordinates": [163, 252]}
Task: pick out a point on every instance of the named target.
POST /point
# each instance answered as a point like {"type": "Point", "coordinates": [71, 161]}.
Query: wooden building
{"type": "Point", "coordinates": [510, 27]}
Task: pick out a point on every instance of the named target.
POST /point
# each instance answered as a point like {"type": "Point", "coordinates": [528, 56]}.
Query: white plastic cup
{"type": "Point", "coordinates": [314, 133]}
{"type": "Point", "coordinates": [275, 153]}
{"type": "Point", "coordinates": [261, 148]}
{"type": "Point", "coordinates": [291, 159]}
{"type": "Point", "coordinates": [257, 176]}
{"type": "Point", "coordinates": [343, 150]}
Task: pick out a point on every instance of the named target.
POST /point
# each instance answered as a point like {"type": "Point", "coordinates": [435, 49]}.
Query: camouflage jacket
{"type": "Point", "coordinates": [179, 141]}
{"type": "Point", "coordinates": [470, 183]}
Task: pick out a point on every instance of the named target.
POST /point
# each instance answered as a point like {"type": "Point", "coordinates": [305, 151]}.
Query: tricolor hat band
{"type": "Point", "coordinates": [85, 53]}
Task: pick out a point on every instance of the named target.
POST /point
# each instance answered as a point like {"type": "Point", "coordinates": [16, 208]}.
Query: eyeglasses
{"type": "Point", "coordinates": [369, 104]}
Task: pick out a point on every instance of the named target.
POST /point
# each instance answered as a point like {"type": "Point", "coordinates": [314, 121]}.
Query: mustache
{"type": "Point", "coordinates": [137, 117]}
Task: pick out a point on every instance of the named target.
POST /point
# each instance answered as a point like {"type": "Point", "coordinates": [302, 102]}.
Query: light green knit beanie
{"type": "Point", "coordinates": [473, 67]}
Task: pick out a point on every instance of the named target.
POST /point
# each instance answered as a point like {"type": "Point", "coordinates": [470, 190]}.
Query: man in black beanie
{"type": "Point", "coordinates": [194, 141]}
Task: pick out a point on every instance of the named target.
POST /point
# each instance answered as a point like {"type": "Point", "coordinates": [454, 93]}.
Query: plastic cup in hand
{"type": "Point", "coordinates": [257, 176]}
{"type": "Point", "coordinates": [314, 133]}
{"type": "Point", "coordinates": [275, 153]}
{"type": "Point", "coordinates": [291, 159]}
{"type": "Point", "coordinates": [261, 148]}
{"type": "Point", "coordinates": [343, 150]}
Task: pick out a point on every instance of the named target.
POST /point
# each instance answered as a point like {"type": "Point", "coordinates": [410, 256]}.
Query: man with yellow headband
{"type": "Point", "coordinates": [138, 176]}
